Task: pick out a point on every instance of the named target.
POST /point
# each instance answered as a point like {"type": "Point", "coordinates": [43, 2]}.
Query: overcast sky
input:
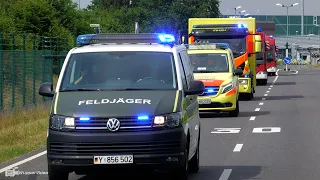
{"type": "Point", "coordinates": [311, 7]}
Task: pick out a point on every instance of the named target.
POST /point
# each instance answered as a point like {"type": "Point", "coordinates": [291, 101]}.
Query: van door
{"type": "Point", "coordinates": [192, 108]}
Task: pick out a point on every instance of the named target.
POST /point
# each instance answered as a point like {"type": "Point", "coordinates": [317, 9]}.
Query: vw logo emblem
{"type": "Point", "coordinates": [113, 124]}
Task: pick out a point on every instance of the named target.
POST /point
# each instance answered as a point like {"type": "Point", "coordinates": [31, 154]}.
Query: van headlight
{"type": "Point", "coordinates": [228, 87]}
{"type": "Point", "coordinates": [169, 120]}
{"type": "Point", "coordinates": [61, 122]}
{"type": "Point", "coordinates": [243, 81]}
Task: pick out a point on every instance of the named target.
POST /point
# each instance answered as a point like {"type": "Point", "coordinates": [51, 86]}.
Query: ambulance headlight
{"type": "Point", "coordinates": [243, 81]}
{"type": "Point", "coordinates": [169, 120]}
{"type": "Point", "coordinates": [228, 87]}
{"type": "Point", "coordinates": [61, 122]}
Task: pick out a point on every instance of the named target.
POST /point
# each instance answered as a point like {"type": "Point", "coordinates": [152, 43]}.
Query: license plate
{"type": "Point", "coordinates": [124, 159]}
{"type": "Point", "coordinates": [205, 101]}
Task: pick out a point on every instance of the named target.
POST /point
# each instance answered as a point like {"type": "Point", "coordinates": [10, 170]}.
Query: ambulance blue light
{"type": "Point", "coordinates": [84, 119]}
{"type": "Point", "coordinates": [166, 38]}
{"type": "Point", "coordinates": [210, 90]}
{"type": "Point", "coordinates": [271, 36]}
{"type": "Point", "coordinates": [143, 117]}
{"type": "Point", "coordinates": [246, 76]}
{"type": "Point", "coordinates": [84, 39]}
{"type": "Point", "coordinates": [242, 26]}
{"type": "Point", "coordinates": [259, 30]}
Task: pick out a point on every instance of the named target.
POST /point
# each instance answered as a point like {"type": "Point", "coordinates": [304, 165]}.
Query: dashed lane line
{"type": "Point", "coordinates": [267, 91]}
{"type": "Point", "coordinates": [260, 104]}
{"type": "Point", "coordinates": [252, 118]}
{"type": "Point", "coordinates": [237, 148]}
{"type": "Point", "coordinates": [257, 109]}
{"type": "Point", "coordinates": [263, 98]}
{"type": "Point", "coordinates": [265, 95]}
{"type": "Point", "coordinates": [225, 174]}
{"type": "Point", "coordinates": [22, 161]}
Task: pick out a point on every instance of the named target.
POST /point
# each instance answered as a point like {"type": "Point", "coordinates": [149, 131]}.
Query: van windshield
{"type": "Point", "coordinates": [120, 71]}
{"type": "Point", "coordinates": [207, 63]}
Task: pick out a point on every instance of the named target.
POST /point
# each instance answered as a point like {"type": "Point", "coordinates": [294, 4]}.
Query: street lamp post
{"type": "Point", "coordinates": [235, 10]}
{"type": "Point", "coordinates": [287, 6]}
{"type": "Point", "coordinates": [241, 12]}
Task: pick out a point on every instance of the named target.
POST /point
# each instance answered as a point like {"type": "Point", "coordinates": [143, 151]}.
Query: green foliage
{"type": "Point", "coordinates": [63, 19]}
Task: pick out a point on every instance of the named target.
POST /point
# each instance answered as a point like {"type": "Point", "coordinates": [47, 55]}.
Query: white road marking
{"type": "Point", "coordinates": [22, 161]}
{"type": "Point", "coordinates": [275, 79]}
{"type": "Point", "coordinates": [225, 174]}
{"type": "Point", "coordinates": [265, 94]}
{"type": "Point", "coordinates": [263, 98]}
{"type": "Point", "coordinates": [266, 130]}
{"type": "Point", "coordinates": [252, 118]}
{"type": "Point", "coordinates": [268, 92]}
{"type": "Point", "coordinates": [260, 104]}
{"type": "Point", "coordinates": [257, 109]}
{"type": "Point", "coordinates": [237, 148]}
{"type": "Point", "coordinates": [226, 130]}
{"type": "Point", "coordinates": [269, 88]}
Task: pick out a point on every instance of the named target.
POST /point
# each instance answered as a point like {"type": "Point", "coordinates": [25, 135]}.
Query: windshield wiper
{"type": "Point", "coordinates": [80, 89]}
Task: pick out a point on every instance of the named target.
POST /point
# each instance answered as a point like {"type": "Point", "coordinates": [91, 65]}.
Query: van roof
{"type": "Point", "coordinates": [127, 47]}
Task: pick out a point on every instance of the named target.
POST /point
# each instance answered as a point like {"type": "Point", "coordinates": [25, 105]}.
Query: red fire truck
{"type": "Point", "coordinates": [261, 60]}
{"type": "Point", "coordinates": [271, 56]}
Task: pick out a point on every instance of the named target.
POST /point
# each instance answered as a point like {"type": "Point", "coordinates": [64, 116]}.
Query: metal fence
{"type": "Point", "coordinates": [26, 61]}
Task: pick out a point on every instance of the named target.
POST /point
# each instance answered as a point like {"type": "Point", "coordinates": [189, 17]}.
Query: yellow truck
{"type": "Point", "coordinates": [214, 66]}
{"type": "Point", "coordinates": [240, 34]}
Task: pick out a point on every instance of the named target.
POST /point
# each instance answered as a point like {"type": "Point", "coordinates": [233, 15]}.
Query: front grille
{"type": "Point", "coordinates": [89, 149]}
{"type": "Point", "coordinates": [126, 123]}
{"type": "Point", "coordinates": [211, 91]}
{"type": "Point", "coordinates": [215, 105]}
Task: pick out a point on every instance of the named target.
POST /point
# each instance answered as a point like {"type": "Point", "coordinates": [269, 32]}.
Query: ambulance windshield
{"type": "Point", "coordinates": [208, 63]}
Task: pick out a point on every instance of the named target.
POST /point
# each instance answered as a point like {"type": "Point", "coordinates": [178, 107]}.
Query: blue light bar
{"type": "Point", "coordinates": [259, 30]}
{"type": "Point", "coordinates": [242, 26]}
{"type": "Point", "coordinates": [146, 38]}
{"type": "Point", "coordinates": [166, 38]}
{"type": "Point", "coordinates": [271, 36]}
{"type": "Point", "coordinates": [85, 38]}
{"type": "Point", "coordinates": [84, 119]}
{"type": "Point", "coordinates": [143, 117]}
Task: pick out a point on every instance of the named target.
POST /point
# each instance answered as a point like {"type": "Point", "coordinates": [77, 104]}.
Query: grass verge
{"type": "Point", "coordinates": [23, 130]}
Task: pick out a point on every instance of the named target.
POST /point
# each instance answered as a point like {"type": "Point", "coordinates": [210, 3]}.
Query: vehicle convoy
{"type": "Point", "coordinates": [213, 64]}
{"type": "Point", "coordinates": [124, 101]}
{"type": "Point", "coordinates": [271, 56]}
{"type": "Point", "coordinates": [240, 34]}
{"type": "Point", "coordinates": [261, 63]}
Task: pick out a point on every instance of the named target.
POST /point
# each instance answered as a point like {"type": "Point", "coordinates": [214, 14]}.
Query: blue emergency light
{"type": "Point", "coordinates": [146, 38]}
{"type": "Point", "coordinates": [259, 30]}
{"type": "Point", "coordinates": [242, 26]}
{"type": "Point", "coordinates": [143, 117]}
{"type": "Point", "coordinates": [84, 119]}
{"type": "Point", "coordinates": [271, 36]}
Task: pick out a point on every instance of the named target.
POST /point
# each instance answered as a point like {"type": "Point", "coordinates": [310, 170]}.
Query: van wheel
{"type": "Point", "coordinates": [56, 174]}
{"type": "Point", "coordinates": [235, 113]}
{"type": "Point", "coordinates": [182, 172]}
{"type": "Point", "coordinates": [194, 162]}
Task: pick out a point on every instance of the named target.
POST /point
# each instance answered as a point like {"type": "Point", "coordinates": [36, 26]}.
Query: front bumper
{"type": "Point", "coordinates": [272, 69]}
{"type": "Point", "coordinates": [222, 102]}
{"type": "Point", "coordinates": [244, 85]}
{"type": "Point", "coordinates": [75, 151]}
{"type": "Point", "coordinates": [262, 75]}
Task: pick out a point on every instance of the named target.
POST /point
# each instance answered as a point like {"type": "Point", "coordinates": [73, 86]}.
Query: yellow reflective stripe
{"type": "Point", "coordinates": [176, 101]}
{"type": "Point", "coordinates": [55, 103]}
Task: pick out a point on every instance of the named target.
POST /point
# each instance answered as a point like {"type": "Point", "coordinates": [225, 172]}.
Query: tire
{"type": "Point", "coordinates": [56, 174]}
{"type": "Point", "coordinates": [182, 172]}
{"type": "Point", "coordinates": [194, 162]}
{"type": "Point", "coordinates": [265, 82]}
{"type": "Point", "coordinates": [235, 113]}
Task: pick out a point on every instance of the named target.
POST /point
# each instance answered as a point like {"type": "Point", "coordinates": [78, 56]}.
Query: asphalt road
{"type": "Point", "coordinates": [276, 137]}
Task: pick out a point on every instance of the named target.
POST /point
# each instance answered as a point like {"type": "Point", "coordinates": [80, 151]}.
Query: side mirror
{"type": "Point", "coordinates": [257, 43]}
{"type": "Point", "coordinates": [238, 72]}
{"type": "Point", "coordinates": [196, 87]}
{"type": "Point", "coordinates": [46, 89]}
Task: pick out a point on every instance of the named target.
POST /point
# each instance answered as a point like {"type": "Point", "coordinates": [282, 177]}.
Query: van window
{"type": "Point", "coordinates": [120, 71]}
{"type": "Point", "coordinates": [208, 63]}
